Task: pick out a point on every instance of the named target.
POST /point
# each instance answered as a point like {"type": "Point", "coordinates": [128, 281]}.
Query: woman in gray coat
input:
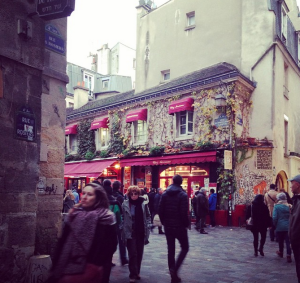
{"type": "Point", "coordinates": [136, 229]}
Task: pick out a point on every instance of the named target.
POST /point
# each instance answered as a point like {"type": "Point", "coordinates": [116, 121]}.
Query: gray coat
{"type": "Point", "coordinates": [127, 228]}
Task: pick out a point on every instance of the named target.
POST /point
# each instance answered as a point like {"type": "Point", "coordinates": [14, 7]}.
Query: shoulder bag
{"type": "Point", "coordinates": [249, 221]}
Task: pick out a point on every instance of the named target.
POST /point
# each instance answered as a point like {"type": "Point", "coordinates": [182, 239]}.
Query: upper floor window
{"type": "Point", "coordinates": [71, 105]}
{"type": "Point", "coordinates": [190, 19]}
{"type": "Point", "coordinates": [71, 144]}
{"type": "Point", "coordinates": [286, 81]}
{"type": "Point", "coordinates": [139, 131]}
{"type": "Point", "coordinates": [88, 81]}
{"type": "Point", "coordinates": [165, 75]}
{"type": "Point", "coordinates": [102, 138]}
{"type": "Point", "coordinates": [105, 84]}
{"type": "Point", "coordinates": [284, 24]}
{"type": "Point", "coordinates": [184, 123]}
{"type": "Point", "coordinates": [286, 135]}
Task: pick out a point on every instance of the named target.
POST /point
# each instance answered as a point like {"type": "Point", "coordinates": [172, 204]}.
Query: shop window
{"type": "Point", "coordinates": [184, 123]}
{"type": "Point", "coordinates": [139, 131]}
{"type": "Point", "coordinates": [183, 170]}
{"type": "Point", "coordinates": [102, 138]}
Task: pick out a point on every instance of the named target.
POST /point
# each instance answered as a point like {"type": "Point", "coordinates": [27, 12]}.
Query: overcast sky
{"type": "Point", "coordinates": [96, 22]}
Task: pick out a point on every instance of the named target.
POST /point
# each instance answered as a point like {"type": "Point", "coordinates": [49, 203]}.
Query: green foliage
{"type": "Point", "coordinates": [157, 150]}
{"type": "Point", "coordinates": [204, 145]}
{"type": "Point", "coordinates": [85, 137]}
{"type": "Point", "coordinates": [70, 157]}
{"type": "Point", "coordinates": [104, 154]}
{"type": "Point", "coordinates": [116, 145]}
{"type": "Point", "coordinates": [89, 155]}
{"type": "Point", "coordinates": [187, 145]}
{"type": "Point", "coordinates": [241, 153]}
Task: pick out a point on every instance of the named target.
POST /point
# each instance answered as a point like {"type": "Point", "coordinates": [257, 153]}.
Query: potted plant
{"type": "Point", "coordinates": [187, 146]}
{"type": "Point", "coordinates": [204, 145]}
{"type": "Point", "coordinates": [251, 141]}
{"type": "Point", "coordinates": [157, 150]}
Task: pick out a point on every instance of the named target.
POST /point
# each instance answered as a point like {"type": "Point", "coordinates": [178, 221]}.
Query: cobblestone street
{"type": "Point", "coordinates": [224, 255]}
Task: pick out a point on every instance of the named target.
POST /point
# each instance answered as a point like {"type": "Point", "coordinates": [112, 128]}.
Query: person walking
{"type": "Point", "coordinates": [194, 204]}
{"type": "Point", "coordinates": [136, 230]}
{"type": "Point", "coordinates": [145, 196]}
{"type": "Point", "coordinates": [294, 228]}
{"type": "Point", "coordinates": [120, 199]}
{"type": "Point", "coordinates": [212, 207]}
{"type": "Point", "coordinates": [156, 220]}
{"type": "Point", "coordinates": [281, 215]}
{"type": "Point", "coordinates": [202, 209]}
{"type": "Point", "coordinates": [151, 196]}
{"type": "Point", "coordinates": [270, 200]}
{"type": "Point", "coordinates": [88, 241]}
{"type": "Point", "coordinates": [173, 213]}
{"type": "Point", "coordinates": [76, 195]}
{"type": "Point", "coordinates": [69, 201]}
{"type": "Point", "coordinates": [261, 221]}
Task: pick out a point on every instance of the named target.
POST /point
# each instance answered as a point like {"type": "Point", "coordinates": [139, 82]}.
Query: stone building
{"type": "Point", "coordinates": [261, 39]}
{"type": "Point", "coordinates": [32, 111]}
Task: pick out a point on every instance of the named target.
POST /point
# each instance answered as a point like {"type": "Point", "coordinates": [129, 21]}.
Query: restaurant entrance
{"type": "Point", "coordinates": [193, 177]}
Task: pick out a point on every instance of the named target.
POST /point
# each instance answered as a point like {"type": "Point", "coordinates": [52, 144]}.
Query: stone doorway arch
{"type": "Point", "coordinates": [282, 181]}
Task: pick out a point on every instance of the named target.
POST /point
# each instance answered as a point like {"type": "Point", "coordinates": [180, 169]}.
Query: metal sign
{"type": "Point", "coordinates": [54, 9]}
{"type": "Point", "coordinates": [54, 40]}
{"type": "Point", "coordinates": [228, 159]}
{"type": "Point", "coordinates": [221, 121]}
{"type": "Point", "coordinates": [25, 125]}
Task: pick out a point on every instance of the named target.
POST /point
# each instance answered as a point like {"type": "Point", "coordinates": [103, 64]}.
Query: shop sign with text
{"type": "Point", "coordinates": [25, 128]}
{"type": "Point", "coordinates": [54, 9]}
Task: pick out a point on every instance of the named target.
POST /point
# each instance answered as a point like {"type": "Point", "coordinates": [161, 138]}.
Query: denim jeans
{"type": "Point", "coordinates": [281, 237]}
{"type": "Point", "coordinates": [180, 234]}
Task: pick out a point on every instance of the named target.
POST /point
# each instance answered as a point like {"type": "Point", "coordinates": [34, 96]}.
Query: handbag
{"type": "Point", "coordinates": [92, 274]}
{"type": "Point", "coordinates": [249, 222]}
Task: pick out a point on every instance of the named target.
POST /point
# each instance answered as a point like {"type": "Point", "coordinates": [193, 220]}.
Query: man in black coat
{"type": "Point", "coordinates": [202, 209]}
{"type": "Point", "coordinates": [173, 213]}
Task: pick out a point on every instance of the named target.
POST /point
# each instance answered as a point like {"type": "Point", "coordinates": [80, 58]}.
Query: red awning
{"type": "Point", "coordinates": [99, 123]}
{"type": "Point", "coordinates": [71, 130]}
{"type": "Point", "coordinates": [181, 105]}
{"type": "Point", "coordinates": [199, 157]}
{"type": "Point", "coordinates": [87, 169]}
{"type": "Point", "coordinates": [140, 114]}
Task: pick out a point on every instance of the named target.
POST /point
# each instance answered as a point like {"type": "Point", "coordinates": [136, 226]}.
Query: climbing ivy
{"type": "Point", "coordinates": [85, 137]}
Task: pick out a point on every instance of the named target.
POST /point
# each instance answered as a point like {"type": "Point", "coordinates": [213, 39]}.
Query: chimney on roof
{"type": "Point", "coordinates": [81, 95]}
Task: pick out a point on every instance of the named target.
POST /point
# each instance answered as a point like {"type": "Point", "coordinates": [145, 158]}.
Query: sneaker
{"type": "Point", "coordinates": [125, 261]}
{"type": "Point", "coordinates": [203, 232]}
{"type": "Point", "coordinates": [174, 277]}
{"type": "Point", "coordinates": [288, 258]}
{"type": "Point", "coordinates": [279, 253]}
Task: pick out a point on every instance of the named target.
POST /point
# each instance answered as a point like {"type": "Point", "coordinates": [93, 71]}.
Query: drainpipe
{"type": "Point", "coordinates": [272, 47]}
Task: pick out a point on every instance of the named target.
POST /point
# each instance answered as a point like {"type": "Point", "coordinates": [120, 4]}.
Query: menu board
{"type": "Point", "coordinates": [148, 173]}
{"type": "Point", "coordinates": [264, 159]}
{"type": "Point", "coordinates": [127, 178]}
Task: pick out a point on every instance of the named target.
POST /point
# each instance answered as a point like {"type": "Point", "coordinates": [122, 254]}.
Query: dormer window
{"type": "Point", "coordinates": [165, 75]}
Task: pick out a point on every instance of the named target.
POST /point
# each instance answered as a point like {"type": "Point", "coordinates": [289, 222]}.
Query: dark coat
{"type": "Point", "coordinates": [119, 196]}
{"type": "Point", "coordinates": [202, 205]}
{"type": "Point", "coordinates": [151, 197]}
{"type": "Point", "coordinates": [173, 207]}
{"type": "Point", "coordinates": [156, 203]}
{"type": "Point", "coordinates": [294, 228]}
{"type": "Point", "coordinates": [260, 215]}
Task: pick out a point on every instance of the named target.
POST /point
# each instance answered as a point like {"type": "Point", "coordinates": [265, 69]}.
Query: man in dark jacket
{"type": "Point", "coordinates": [212, 207]}
{"type": "Point", "coordinates": [202, 208]}
{"type": "Point", "coordinates": [173, 213]}
{"type": "Point", "coordinates": [294, 228]}
{"type": "Point", "coordinates": [151, 196]}
{"type": "Point", "coordinates": [116, 191]}
{"type": "Point", "coordinates": [194, 204]}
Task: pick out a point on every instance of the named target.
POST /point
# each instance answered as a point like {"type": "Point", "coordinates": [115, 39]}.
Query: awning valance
{"type": "Point", "coordinates": [99, 123]}
{"type": "Point", "coordinates": [71, 130]}
{"type": "Point", "coordinates": [87, 169]}
{"type": "Point", "coordinates": [185, 104]}
{"type": "Point", "coordinates": [140, 114]}
{"type": "Point", "coordinates": [199, 157]}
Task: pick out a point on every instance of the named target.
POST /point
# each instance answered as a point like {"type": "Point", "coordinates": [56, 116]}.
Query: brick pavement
{"type": "Point", "coordinates": [224, 255]}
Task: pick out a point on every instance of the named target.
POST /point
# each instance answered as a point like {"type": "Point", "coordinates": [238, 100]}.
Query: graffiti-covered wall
{"type": "Point", "coordinates": [253, 173]}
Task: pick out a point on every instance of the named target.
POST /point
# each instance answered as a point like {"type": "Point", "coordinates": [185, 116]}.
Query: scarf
{"type": "Point", "coordinates": [139, 216]}
{"type": "Point", "coordinates": [82, 224]}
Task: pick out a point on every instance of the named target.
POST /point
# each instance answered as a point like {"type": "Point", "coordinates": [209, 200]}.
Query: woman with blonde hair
{"type": "Point", "coordinates": [136, 229]}
{"type": "Point", "coordinates": [88, 241]}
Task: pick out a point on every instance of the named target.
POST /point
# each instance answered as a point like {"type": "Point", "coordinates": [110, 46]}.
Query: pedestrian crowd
{"type": "Point", "coordinates": [104, 218]}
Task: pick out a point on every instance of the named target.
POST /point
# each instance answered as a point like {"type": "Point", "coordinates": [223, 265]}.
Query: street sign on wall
{"type": "Point", "coordinates": [54, 9]}
{"type": "Point", "coordinates": [54, 40]}
{"type": "Point", "coordinates": [25, 128]}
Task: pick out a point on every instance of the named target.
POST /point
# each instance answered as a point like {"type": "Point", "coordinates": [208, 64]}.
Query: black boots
{"type": "Point", "coordinates": [160, 231]}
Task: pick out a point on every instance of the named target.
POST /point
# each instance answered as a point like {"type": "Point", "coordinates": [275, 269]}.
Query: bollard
{"type": "Point", "coordinates": [38, 269]}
